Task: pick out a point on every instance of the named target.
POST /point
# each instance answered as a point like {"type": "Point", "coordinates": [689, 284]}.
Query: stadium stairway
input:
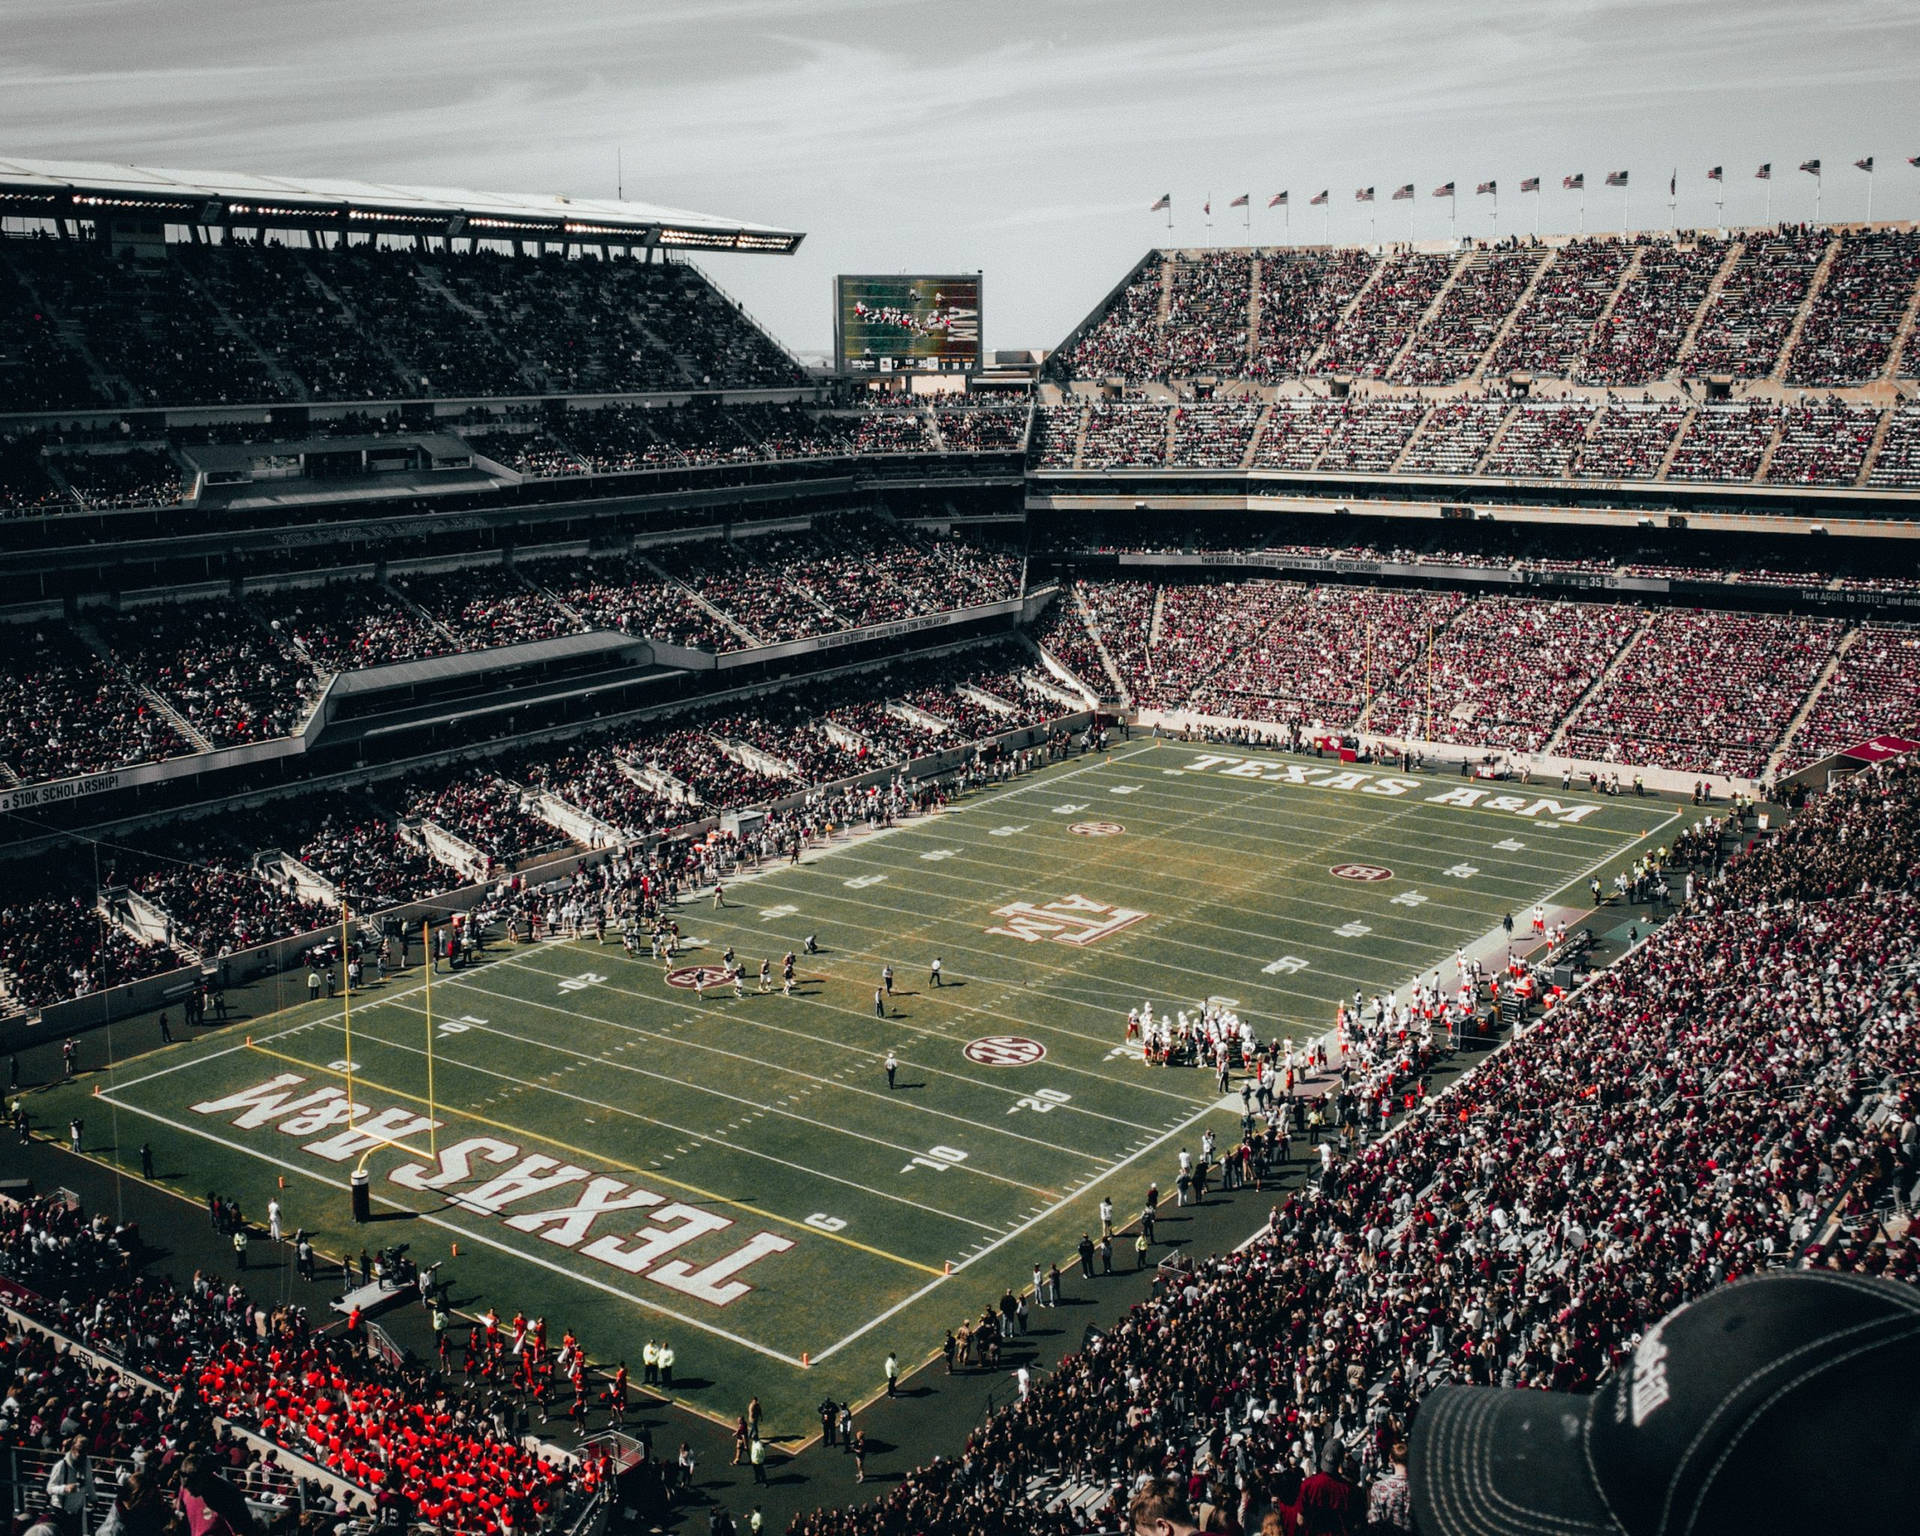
{"type": "Point", "coordinates": [1879, 440]}
{"type": "Point", "coordinates": [1707, 300]}
{"type": "Point", "coordinates": [1627, 275]}
{"type": "Point", "coordinates": [1779, 753]}
{"type": "Point", "coordinates": [1479, 369]}
{"type": "Point", "coordinates": [1259, 431]}
{"type": "Point", "coordinates": [1599, 685]}
{"type": "Point", "coordinates": [1360, 294]}
{"type": "Point", "coordinates": [1418, 330]}
{"type": "Point", "coordinates": [720, 616]}
{"type": "Point", "coordinates": [1778, 373]}
{"type": "Point", "coordinates": [1773, 445]}
{"type": "Point", "coordinates": [1254, 310]}
{"type": "Point", "coordinates": [1100, 645]}
{"type": "Point", "coordinates": [1673, 448]}
{"type": "Point", "coordinates": [90, 637]}
{"type": "Point", "coordinates": [1903, 334]}
{"type": "Point", "coordinates": [1412, 437]}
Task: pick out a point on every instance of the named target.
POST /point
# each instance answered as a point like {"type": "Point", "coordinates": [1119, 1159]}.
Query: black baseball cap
{"type": "Point", "coordinates": [1784, 1403]}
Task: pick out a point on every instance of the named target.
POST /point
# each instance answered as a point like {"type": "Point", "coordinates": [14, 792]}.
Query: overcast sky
{"type": "Point", "coordinates": [1025, 139]}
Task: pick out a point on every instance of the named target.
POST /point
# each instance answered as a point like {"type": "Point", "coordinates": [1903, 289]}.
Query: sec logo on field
{"type": "Point", "coordinates": [1361, 872]}
{"type": "Point", "coordinates": [1097, 828]}
{"type": "Point", "coordinates": [1004, 1051]}
{"type": "Point", "coordinates": [691, 976]}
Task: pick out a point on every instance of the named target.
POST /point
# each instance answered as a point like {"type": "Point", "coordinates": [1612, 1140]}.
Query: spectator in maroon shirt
{"type": "Point", "coordinates": [1329, 1504]}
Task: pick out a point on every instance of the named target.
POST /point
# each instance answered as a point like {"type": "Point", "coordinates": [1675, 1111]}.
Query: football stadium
{"type": "Point", "coordinates": [608, 924]}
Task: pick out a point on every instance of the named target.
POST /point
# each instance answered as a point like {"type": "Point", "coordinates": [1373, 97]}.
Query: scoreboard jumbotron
{"type": "Point", "coordinates": [901, 324]}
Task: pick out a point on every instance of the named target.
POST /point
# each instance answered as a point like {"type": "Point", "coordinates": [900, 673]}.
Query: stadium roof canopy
{"type": "Point", "coordinates": [73, 189]}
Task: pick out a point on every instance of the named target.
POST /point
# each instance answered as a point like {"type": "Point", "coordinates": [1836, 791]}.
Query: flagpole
{"type": "Point", "coordinates": [1869, 194]}
{"type": "Point", "coordinates": [1453, 212]}
{"type": "Point", "coordinates": [1287, 215]}
{"type": "Point", "coordinates": [1496, 213]}
{"type": "Point", "coordinates": [1769, 200]}
{"type": "Point", "coordinates": [1583, 206]}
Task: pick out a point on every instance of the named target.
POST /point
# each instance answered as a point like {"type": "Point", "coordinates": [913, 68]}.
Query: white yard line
{"type": "Point", "coordinates": [1032, 1221]}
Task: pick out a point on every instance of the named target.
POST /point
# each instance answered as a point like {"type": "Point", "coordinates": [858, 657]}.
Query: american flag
{"type": "Point", "coordinates": [1278, 200]}
{"type": "Point", "coordinates": [1714, 175]}
{"type": "Point", "coordinates": [1446, 191]}
{"type": "Point", "coordinates": [1318, 198]}
{"type": "Point", "coordinates": [1363, 194]}
{"type": "Point", "coordinates": [1616, 178]}
{"type": "Point", "coordinates": [1913, 159]}
{"type": "Point", "coordinates": [1765, 173]}
{"type": "Point", "coordinates": [1166, 201]}
{"type": "Point", "coordinates": [1241, 201]}
{"type": "Point", "coordinates": [1576, 182]}
{"type": "Point", "coordinates": [1864, 165]}
{"type": "Point", "coordinates": [1400, 194]}
{"type": "Point", "coordinates": [1530, 184]}
{"type": "Point", "coordinates": [1811, 167]}
{"type": "Point", "coordinates": [1485, 187]}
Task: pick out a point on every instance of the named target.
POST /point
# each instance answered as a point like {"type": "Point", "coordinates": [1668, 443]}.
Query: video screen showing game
{"type": "Point", "coordinates": [907, 324]}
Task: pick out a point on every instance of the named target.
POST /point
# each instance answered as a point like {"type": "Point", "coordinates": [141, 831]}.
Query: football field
{"type": "Point", "coordinates": [632, 1159]}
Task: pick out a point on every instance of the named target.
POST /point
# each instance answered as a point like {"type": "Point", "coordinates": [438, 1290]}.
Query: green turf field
{"type": "Point", "coordinates": [632, 1161]}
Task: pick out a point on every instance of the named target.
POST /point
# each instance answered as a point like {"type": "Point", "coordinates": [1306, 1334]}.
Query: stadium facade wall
{"type": "Point", "coordinates": [1543, 767]}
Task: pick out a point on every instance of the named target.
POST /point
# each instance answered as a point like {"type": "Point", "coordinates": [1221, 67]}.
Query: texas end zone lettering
{"type": "Point", "coordinates": [530, 1182]}
{"type": "Point", "coordinates": [1268, 772]}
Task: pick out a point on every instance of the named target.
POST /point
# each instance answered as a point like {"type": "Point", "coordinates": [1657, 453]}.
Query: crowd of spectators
{"type": "Point", "coordinates": [57, 941]}
{"type": "Point", "coordinates": [1542, 439]}
{"type": "Point", "coordinates": [623, 592]}
{"type": "Point", "coordinates": [982, 428]}
{"type": "Point", "coordinates": [1898, 461]}
{"type": "Point", "coordinates": [1370, 433]}
{"type": "Point", "coordinates": [246, 321]}
{"type": "Point", "coordinates": [1383, 318]}
{"type": "Point", "coordinates": [1505, 672]}
{"type": "Point", "coordinates": [1213, 436]}
{"type": "Point", "coordinates": [482, 811]}
{"type": "Point", "coordinates": [1121, 614]}
{"type": "Point", "coordinates": [124, 479]}
{"type": "Point", "coordinates": [1747, 324]}
{"type": "Point", "coordinates": [1207, 313]}
{"type": "Point", "coordinates": [64, 711]}
{"type": "Point", "coordinates": [1454, 438]}
{"type": "Point", "coordinates": [26, 489]}
{"type": "Point", "coordinates": [213, 661]}
{"type": "Point", "coordinates": [1296, 434]}
{"type": "Point", "coordinates": [1313, 654]}
{"type": "Point", "coordinates": [147, 325]}
{"type": "Point", "coordinates": [1638, 340]}
{"type": "Point", "coordinates": [1126, 340]}
{"type": "Point", "coordinates": [423, 1445]}
{"type": "Point", "coordinates": [38, 371]}
{"type": "Point", "coordinates": [1063, 634]}
{"type": "Point", "coordinates": [1701, 1112]}
{"type": "Point", "coordinates": [1550, 331]}
{"type": "Point", "coordinates": [1874, 691]}
{"type": "Point", "coordinates": [1823, 442]}
{"type": "Point", "coordinates": [1056, 435]}
{"type": "Point", "coordinates": [346, 625]}
{"type": "Point", "coordinates": [214, 900]}
{"type": "Point", "coordinates": [890, 432]}
{"type": "Point", "coordinates": [536, 454]}
{"type": "Point", "coordinates": [1449, 346]}
{"type": "Point", "coordinates": [1725, 442]}
{"type": "Point", "coordinates": [1855, 317]}
{"type": "Point", "coordinates": [1302, 294]}
{"type": "Point", "coordinates": [348, 841]}
{"type": "Point", "coordinates": [1703, 689]}
{"type": "Point", "coordinates": [486, 605]}
{"type": "Point", "coordinates": [1630, 440]}
{"type": "Point", "coordinates": [1125, 434]}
